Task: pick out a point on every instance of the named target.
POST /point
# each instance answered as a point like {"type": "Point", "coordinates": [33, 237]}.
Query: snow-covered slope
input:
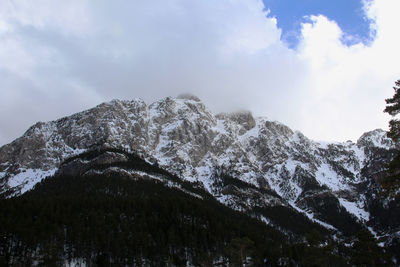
{"type": "Point", "coordinates": [182, 136]}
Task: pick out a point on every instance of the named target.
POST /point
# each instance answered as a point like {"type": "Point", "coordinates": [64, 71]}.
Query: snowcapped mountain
{"type": "Point", "coordinates": [331, 183]}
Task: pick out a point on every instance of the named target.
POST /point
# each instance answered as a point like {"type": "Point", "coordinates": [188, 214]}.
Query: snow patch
{"type": "Point", "coordinates": [310, 215]}
{"type": "Point", "coordinates": [27, 178]}
{"type": "Point", "coordinates": [160, 178]}
{"type": "Point", "coordinates": [326, 176]}
{"type": "Point", "coordinates": [354, 209]}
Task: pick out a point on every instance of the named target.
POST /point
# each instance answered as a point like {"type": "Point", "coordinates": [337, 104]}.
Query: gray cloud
{"type": "Point", "coordinates": [56, 59]}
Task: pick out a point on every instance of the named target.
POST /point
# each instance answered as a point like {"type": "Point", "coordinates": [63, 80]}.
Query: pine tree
{"type": "Point", "coordinates": [392, 182]}
{"type": "Point", "coordinates": [239, 250]}
{"type": "Point", "coordinates": [393, 109]}
{"type": "Point", "coordinates": [366, 251]}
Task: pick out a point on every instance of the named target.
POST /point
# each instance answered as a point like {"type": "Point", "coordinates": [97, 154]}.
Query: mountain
{"type": "Point", "coordinates": [253, 165]}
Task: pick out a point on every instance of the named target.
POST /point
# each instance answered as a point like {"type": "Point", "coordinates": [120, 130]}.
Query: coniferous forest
{"type": "Point", "coordinates": [113, 220]}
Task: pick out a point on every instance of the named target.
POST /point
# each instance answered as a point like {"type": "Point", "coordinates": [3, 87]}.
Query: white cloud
{"type": "Point", "coordinates": [59, 57]}
{"type": "Point", "coordinates": [348, 85]}
{"type": "Point", "coordinates": [67, 17]}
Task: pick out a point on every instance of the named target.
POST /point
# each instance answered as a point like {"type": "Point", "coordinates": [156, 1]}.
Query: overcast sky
{"type": "Point", "coordinates": [319, 68]}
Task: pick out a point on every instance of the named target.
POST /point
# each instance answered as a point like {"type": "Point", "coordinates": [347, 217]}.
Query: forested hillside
{"type": "Point", "coordinates": [109, 219]}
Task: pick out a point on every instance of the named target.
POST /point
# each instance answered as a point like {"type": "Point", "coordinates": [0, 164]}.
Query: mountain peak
{"type": "Point", "coordinates": [375, 138]}
{"type": "Point", "coordinates": [183, 137]}
{"type": "Point", "coordinates": [242, 161]}
{"type": "Point", "coordinates": [187, 96]}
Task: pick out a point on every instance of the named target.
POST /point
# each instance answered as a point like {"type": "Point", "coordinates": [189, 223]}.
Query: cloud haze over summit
{"type": "Point", "coordinates": [60, 57]}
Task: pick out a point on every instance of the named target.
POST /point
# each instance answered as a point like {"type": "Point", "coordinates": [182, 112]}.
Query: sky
{"type": "Point", "coordinates": [348, 14]}
{"type": "Point", "coordinates": [321, 67]}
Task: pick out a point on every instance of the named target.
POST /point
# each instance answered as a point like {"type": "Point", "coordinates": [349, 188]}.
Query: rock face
{"type": "Point", "coordinates": [182, 136]}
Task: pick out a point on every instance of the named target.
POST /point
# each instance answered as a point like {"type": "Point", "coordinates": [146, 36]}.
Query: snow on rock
{"type": "Point", "coordinates": [326, 176]}
{"type": "Point", "coordinates": [311, 216]}
{"type": "Point", "coordinates": [376, 138]}
{"type": "Point", "coordinates": [354, 208]}
{"type": "Point", "coordinates": [184, 137]}
{"type": "Point", "coordinates": [27, 179]}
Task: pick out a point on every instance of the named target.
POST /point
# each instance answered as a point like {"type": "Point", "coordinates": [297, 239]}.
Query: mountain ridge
{"type": "Point", "coordinates": [182, 136]}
